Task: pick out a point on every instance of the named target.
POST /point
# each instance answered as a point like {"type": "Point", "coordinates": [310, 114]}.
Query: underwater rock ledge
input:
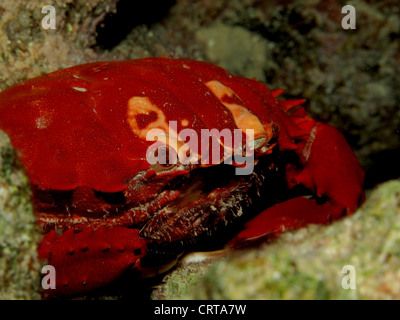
{"type": "Point", "coordinates": [307, 264]}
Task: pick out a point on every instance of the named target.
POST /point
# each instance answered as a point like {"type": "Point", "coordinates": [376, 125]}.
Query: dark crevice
{"type": "Point", "coordinates": [115, 198]}
{"type": "Point", "coordinates": [385, 167]}
{"type": "Point", "coordinates": [129, 14]}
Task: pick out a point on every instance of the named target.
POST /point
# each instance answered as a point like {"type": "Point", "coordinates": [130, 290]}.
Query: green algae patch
{"type": "Point", "coordinates": [19, 265]}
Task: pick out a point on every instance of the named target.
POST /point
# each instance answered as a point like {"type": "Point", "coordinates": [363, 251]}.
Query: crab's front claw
{"type": "Point", "coordinates": [329, 169]}
{"type": "Point", "coordinates": [287, 215]}
{"type": "Point", "coordinates": [90, 259]}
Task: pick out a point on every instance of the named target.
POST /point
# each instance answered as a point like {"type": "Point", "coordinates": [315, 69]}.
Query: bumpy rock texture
{"type": "Point", "coordinates": [307, 264]}
{"type": "Point", "coordinates": [19, 266]}
{"type": "Point", "coordinates": [350, 78]}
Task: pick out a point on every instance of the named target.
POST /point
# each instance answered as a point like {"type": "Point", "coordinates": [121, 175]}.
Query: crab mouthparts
{"type": "Point", "coordinates": [166, 208]}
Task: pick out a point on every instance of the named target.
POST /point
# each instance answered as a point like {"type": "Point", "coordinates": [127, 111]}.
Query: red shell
{"type": "Point", "coordinates": [85, 126]}
{"type": "Point", "coordinates": [71, 126]}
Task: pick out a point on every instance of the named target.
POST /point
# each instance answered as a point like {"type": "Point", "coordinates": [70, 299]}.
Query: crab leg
{"type": "Point", "coordinates": [90, 259]}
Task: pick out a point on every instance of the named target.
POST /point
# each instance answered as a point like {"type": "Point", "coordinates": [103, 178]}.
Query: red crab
{"type": "Point", "coordinates": [104, 208]}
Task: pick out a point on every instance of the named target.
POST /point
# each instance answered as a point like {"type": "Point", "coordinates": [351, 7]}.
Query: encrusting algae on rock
{"type": "Point", "coordinates": [19, 264]}
{"type": "Point", "coordinates": [308, 263]}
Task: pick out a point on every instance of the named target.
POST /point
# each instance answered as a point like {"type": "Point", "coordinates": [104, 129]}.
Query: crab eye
{"type": "Point", "coordinates": [166, 156]}
{"type": "Point", "coordinates": [162, 154]}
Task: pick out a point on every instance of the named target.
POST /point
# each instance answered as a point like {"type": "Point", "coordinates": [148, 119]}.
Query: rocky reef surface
{"type": "Point", "coordinates": [350, 79]}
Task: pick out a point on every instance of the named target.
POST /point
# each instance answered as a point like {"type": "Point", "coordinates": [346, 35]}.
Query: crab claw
{"type": "Point", "coordinates": [90, 259]}
{"type": "Point", "coordinates": [287, 215]}
{"type": "Point", "coordinates": [329, 169]}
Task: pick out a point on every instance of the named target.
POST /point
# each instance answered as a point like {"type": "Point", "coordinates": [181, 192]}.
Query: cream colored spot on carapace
{"type": "Point", "coordinates": [79, 89]}
{"type": "Point", "coordinates": [143, 106]}
{"type": "Point", "coordinates": [44, 117]}
{"type": "Point", "coordinates": [157, 130]}
{"type": "Point", "coordinates": [42, 122]}
{"type": "Point", "coordinates": [184, 122]}
{"type": "Point", "coordinates": [244, 119]}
